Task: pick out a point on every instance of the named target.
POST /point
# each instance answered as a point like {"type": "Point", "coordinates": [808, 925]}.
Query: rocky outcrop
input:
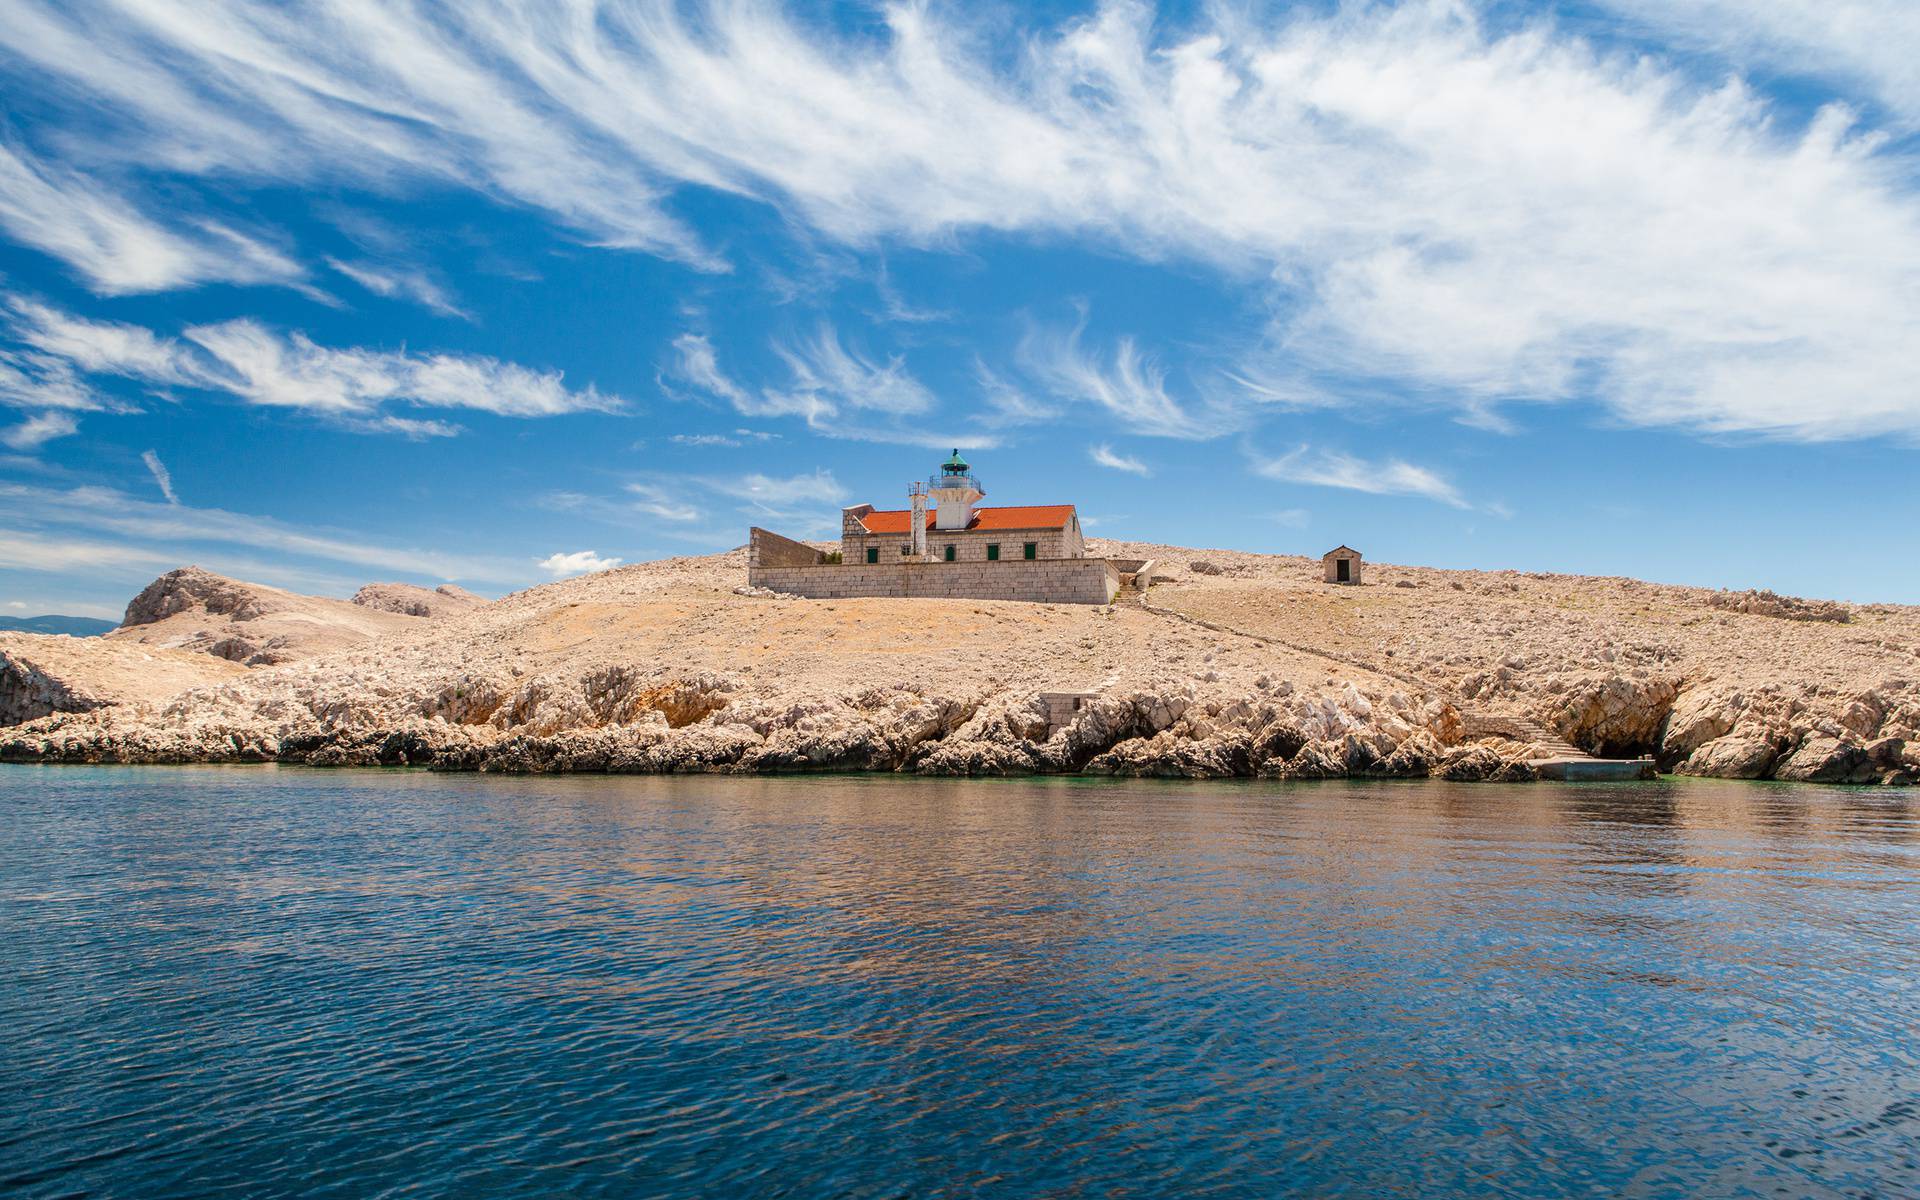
{"type": "Point", "coordinates": [254, 625]}
{"type": "Point", "coordinates": [447, 600]}
{"type": "Point", "coordinates": [1734, 756]}
{"type": "Point", "coordinates": [1613, 716]}
{"type": "Point", "coordinates": [190, 589]}
{"type": "Point", "coordinates": [1822, 759]}
{"type": "Point", "coordinates": [1765, 603]}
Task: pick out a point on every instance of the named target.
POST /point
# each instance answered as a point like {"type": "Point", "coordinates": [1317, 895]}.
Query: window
{"type": "Point", "coordinates": [873, 554]}
{"type": "Point", "coordinates": [951, 553]}
{"type": "Point", "coordinates": [1030, 551]}
{"type": "Point", "coordinates": [993, 551]}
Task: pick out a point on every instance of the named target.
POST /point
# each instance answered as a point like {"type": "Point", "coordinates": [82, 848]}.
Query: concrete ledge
{"type": "Point", "coordinates": [1595, 770]}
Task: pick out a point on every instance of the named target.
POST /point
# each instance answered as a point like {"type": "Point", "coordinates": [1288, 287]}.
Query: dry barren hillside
{"type": "Point", "coordinates": [1232, 664]}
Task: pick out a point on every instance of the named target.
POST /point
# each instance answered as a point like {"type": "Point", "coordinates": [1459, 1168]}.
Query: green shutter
{"type": "Point", "coordinates": [1030, 551]}
{"type": "Point", "coordinates": [873, 554]}
{"type": "Point", "coordinates": [993, 551]}
{"type": "Point", "coordinates": [950, 553]}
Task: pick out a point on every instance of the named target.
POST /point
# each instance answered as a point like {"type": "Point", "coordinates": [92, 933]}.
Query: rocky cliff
{"type": "Point", "coordinates": [1249, 667]}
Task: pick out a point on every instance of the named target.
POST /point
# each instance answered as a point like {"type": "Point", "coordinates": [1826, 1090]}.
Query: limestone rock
{"type": "Point", "coordinates": [1823, 759]}
{"type": "Point", "coordinates": [1614, 716]}
{"type": "Point", "coordinates": [1698, 717]}
{"type": "Point", "coordinates": [1732, 756]}
{"type": "Point", "coordinates": [447, 600]}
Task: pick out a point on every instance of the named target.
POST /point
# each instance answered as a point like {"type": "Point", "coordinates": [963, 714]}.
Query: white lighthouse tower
{"type": "Point", "coordinates": [955, 491]}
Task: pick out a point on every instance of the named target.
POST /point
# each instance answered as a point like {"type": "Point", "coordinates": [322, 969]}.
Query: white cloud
{"type": "Point", "coordinates": [1332, 468]}
{"type": "Point", "coordinates": [1103, 455]}
{"type": "Point", "coordinates": [1490, 213]}
{"type": "Point", "coordinates": [703, 439]}
{"type": "Point", "coordinates": [837, 392]}
{"type": "Point", "coordinates": [261, 366]}
{"type": "Point", "coordinates": [777, 496]}
{"type": "Point", "coordinates": [37, 431]}
{"type": "Point", "coordinates": [100, 347]}
{"type": "Point", "coordinates": [1871, 45]}
{"type": "Point", "coordinates": [115, 247]}
{"type": "Point", "coordinates": [162, 478]}
{"type": "Point", "coordinates": [406, 283]}
{"type": "Point", "coordinates": [34, 552]}
{"type": "Point", "coordinates": [88, 512]}
{"type": "Point", "coordinates": [45, 384]}
{"type": "Point", "coordinates": [580, 562]}
{"type": "Point", "coordinates": [827, 377]}
{"type": "Point", "coordinates": [662, 503]}
{"type": "Point", "coordinates": [1132, 389]}
{"type": "Point", "coordinates": [1292, 518]}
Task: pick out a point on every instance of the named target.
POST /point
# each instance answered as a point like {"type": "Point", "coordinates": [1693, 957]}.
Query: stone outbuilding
{"type": "Point", "coordinates": [1342, 564]}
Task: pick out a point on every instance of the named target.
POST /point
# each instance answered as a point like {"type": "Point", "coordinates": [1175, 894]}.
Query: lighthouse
{"type": "Point", "coordinates": [954, 491]}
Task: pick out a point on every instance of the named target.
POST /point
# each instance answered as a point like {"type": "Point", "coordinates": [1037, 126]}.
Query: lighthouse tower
{"type": "Point", "coordinates": [954, 491]}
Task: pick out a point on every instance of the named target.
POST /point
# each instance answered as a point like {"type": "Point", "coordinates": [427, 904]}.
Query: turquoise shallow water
{"type": "Point", "coordinates": [261, 982]}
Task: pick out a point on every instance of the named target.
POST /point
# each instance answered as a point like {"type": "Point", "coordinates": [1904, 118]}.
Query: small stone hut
{"type": "Point", "coordinates": [1342, 564]}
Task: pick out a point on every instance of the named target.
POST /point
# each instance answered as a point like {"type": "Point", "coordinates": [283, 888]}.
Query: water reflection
{"type": "Point", "coordinates": [283, 982]}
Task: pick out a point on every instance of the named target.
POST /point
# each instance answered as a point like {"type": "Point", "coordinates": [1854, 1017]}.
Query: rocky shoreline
{"type": "Point", "coordinates": [1248, 669]}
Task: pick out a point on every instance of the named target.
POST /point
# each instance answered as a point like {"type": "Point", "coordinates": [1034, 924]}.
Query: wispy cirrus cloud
{"type": "Point", "coordinates": [115, 247]}
{"type": "Point", "coordinates": [1127, 384]}
{"type": "Point", "coordinates": [1411, 187]}
{"type": "Point", "coordinates": [162, 478]}
{"type": "Point", "coordinates": [266, 367]}
{"type": "Point", "coordinates": [1103, 455]}
{"type": "Point", "coordinates": [405, 283]}
{"type": "Point", "coordinates": [171, 533]}
{"type": "Point", "coordinates": [837, 392]}
{"type": "Point", "coordinates": [1872, 46]}
{"type": "Point", "coordinates": [36, 431]}
{"type": "Point", "coordinates": [1382, 477]}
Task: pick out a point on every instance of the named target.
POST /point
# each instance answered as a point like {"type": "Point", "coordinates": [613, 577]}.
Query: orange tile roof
{"type": "Point", "coordinates": [1036, 516]}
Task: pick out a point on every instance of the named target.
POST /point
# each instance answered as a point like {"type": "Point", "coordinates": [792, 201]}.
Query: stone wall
{"type": "Point", "coordinates": [969, 545]}
{"type": "Point", "coordinates": [1045, 581]}
{"type": "Point", "coordinates": [768, 549]}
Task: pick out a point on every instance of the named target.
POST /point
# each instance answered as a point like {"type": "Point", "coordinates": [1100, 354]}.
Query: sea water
{"type": "Point", "coordinates": [281, 982]}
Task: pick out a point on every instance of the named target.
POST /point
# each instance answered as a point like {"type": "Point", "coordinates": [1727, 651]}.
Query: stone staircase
{"type": "Point", "coordinates": [1520, 729]}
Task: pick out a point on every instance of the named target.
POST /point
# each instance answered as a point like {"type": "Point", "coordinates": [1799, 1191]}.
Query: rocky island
{"type": "Point", "coordinates": [1207, 664]}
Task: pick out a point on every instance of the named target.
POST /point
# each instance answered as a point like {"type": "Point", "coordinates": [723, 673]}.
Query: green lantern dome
{"type": "Point", "coordinates": [954, 465]}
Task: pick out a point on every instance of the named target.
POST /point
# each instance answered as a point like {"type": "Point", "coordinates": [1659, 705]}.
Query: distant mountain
{"type": "Point", "coordinates": [74, 626]}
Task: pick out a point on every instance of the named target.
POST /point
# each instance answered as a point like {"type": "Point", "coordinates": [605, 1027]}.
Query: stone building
{"type": "Point", "coordinates": [945, 543]}
{"type": "Point", "coordinates": [1342, 565]}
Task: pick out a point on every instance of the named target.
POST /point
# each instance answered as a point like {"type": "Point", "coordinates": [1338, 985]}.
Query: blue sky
{"type": "Point", "coordinates": [324, 294]}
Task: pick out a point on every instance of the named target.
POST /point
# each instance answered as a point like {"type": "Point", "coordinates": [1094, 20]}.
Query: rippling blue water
{"type": "Point", "coordinates": [268, 982]}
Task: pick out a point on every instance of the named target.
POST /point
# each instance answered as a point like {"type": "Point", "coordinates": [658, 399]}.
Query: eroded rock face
{"type": "Point", "coordinates": [1732, 757]}
{"type": "Point", "coordinates": [1698, 717]}
{"type": "Point", "coordinates": [1615, 716]}
{"type": "Point", "coordinates": [189, 589]}
{"type": "Point", "coordinates": [1823, 759]}
{"type": "Point", "coordinates": [28, 691]}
